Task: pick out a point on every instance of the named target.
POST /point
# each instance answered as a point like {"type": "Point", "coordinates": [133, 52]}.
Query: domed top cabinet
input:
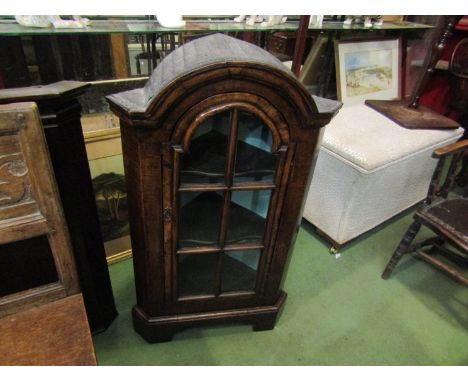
{"type": "Point", "coordinates": [218, 150]}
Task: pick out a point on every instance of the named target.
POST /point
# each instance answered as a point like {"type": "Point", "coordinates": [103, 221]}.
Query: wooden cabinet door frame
{"type": "Point", "coordinates": [180, 145]}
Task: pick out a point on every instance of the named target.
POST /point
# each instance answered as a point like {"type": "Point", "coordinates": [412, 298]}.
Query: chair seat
{"type": "Point", "coordinates": [450, 217]}
{"type": "Point", "coordinates": [446, 214]}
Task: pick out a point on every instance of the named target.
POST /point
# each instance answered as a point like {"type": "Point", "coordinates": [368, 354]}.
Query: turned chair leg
{"type": "Point", "coordinates": [402, 248]}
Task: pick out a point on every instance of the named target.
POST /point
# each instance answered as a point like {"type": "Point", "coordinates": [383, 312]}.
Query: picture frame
{"type": "Point", "coordinates": [104, 151]}
{"type": "Point", "coordinates": [368, 69]}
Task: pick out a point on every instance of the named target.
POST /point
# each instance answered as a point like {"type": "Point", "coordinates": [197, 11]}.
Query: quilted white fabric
{"type": "Point", "coordinates": [370, 140]}
{"type": "Point", "coordinates": [368, 170]}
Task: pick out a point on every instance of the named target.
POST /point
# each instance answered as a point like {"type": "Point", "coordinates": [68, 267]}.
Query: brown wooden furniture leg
{"type": "Point", "coordinates": [402, 248]}
{"type": "Point", "coordinates": [445, 213]}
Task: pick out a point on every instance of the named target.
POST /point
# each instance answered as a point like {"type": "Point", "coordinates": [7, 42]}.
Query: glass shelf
{"type": "Point", "coordinates": [338, 26]}
{"type": "Point", "coordinates": [11, 28]}
{"type": "Point", "coordinates": [207, 159]}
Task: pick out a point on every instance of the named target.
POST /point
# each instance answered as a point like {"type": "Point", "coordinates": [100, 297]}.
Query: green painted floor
{"type": "Point", "coordinates": [338, 312]}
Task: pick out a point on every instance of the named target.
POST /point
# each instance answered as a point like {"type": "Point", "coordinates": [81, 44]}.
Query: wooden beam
{"type": "Point", "coordinates": [119, 55]}
{"type": "Point", "coordinates": [300, 44]}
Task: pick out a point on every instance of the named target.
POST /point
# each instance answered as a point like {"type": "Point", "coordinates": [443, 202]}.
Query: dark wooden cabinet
{"type": "Point", "coordinates": [218, 150]}
{"type": "Point", "coordinates": [60, 117]}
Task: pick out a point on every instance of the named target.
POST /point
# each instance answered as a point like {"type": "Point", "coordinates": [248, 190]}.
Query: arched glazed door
{"type": "Point", "coordinates": [227, 168]}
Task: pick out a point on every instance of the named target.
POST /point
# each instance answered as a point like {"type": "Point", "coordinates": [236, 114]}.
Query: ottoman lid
{"type": "Point", "coordinates": [369, 140]}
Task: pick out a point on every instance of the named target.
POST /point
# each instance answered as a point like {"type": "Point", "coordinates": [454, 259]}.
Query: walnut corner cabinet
{"type": "Point", "coordinates": [218, 151]}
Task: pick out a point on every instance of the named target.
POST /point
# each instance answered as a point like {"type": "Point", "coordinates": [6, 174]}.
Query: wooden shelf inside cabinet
{"type": "Point", "coordinates": [198, 227]}
{"type": "Point", "coordinates": [196, 274]}
{"type": "Point", "coordinates": [208, 158]}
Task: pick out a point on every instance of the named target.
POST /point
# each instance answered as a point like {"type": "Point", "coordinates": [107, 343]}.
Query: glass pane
{"type": "Point", "coordinates": [196, 274]}
{"type": "Point", "coordinates": [254, 160]}
{"type": "Point", "coordinates": [199, 218]}
{"type": "Point", "coordinates": [239, 270]}
{"type": "Point", "coordinates": [206, 160]}
{"type": "Point", "coordinates": [247, 216]}
{"type": "Point", "coordinates": [26, 264]}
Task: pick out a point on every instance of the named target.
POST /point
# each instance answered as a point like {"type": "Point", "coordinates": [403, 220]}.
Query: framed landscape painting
{"type": "Point", "coordinates": [104, 151]}
{"type": "Point", "coordinates": [367, 70]}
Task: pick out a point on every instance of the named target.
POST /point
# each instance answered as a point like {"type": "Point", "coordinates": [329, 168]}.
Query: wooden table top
{"type": "Point", "coordinates": [54, 334]}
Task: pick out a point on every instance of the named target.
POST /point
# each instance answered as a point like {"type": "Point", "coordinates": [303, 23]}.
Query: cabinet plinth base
{"type": "Point", "coordinates": [162, 329]}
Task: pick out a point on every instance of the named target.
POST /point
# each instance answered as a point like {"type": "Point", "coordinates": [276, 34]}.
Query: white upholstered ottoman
{"type": "Point", "coordinates": [368, 170]}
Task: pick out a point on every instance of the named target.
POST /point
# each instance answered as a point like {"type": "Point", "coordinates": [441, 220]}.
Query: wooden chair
{"type": "Point", "coordinates": [42, 314]}
{"type": "Point", "coordinates": [445, 212]}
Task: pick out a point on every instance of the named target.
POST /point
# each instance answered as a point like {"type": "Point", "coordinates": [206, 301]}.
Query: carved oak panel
{"type": "Point", "coordinates": [15, 185]}
{"type": "Point", "coordinates": [29, 203]}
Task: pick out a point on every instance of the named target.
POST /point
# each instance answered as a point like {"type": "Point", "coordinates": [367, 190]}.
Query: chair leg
{"type": "Point", "coordinates": [402, 248]}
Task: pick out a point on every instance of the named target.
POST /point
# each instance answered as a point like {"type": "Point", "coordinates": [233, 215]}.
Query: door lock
{"type": "Point", "coordinates": [167, 214]}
